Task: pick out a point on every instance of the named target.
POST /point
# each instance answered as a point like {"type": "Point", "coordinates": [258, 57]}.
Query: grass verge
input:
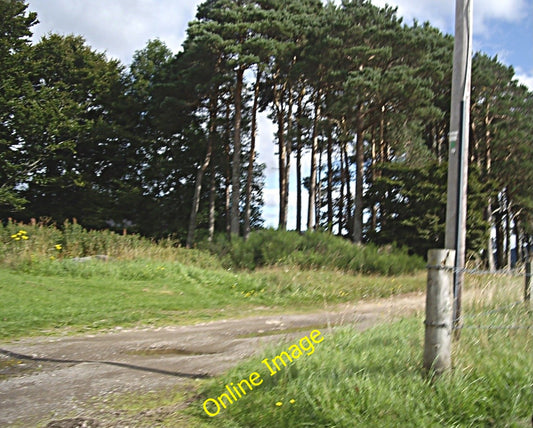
{"type": "Point", "coordinates": [369, 379]}
{"type": "Point", "coordinates": [53, 296]}
{"type": "Point", "coordinates": [316, 250]}
{"type": "Point", "coordinates": [364, 379]}
{"type": "Point", "coordinates": [374, 379]}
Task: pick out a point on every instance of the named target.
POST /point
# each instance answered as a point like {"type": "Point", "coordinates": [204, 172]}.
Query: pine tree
{"type": "Point", "coordinates": [16, 23]}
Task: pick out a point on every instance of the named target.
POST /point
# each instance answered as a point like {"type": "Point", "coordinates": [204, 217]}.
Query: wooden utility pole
{"type": "Point", "coordinates": [458, 147]}
{"type": "Point", "coordinates": [439, 310]}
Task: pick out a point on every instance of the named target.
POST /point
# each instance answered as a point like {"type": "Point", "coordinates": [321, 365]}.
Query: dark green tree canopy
{"type": "Point", "coordinates": [168, 145]}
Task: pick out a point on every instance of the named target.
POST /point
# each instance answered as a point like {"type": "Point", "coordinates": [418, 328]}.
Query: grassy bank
{"type": "Point", "coordinates": [44, 289]}
{"type": "Point", "coordinates": [50, 296]}
{"type": "Point", "coordinates": [317, 250]}
{"type": "Point", "coordinates": [22, 245]}
{"type": "Point", "coordinates": [375, 378]}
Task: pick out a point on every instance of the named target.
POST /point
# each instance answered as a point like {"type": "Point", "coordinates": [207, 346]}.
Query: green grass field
{"type": "Point", "coordinates": [352, 379]}
{"type": "Point", "coordinates": [43, 290]}
{"type": "Point", "coordinates": [58, 296]}
{"type": "Point", "coordinates": [375, 378]}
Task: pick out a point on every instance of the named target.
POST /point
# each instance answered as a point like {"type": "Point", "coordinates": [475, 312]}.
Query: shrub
{"type": "Point", "coordinates": [271, 247]}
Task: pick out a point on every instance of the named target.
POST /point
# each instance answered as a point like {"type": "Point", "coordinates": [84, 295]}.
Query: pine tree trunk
{"type": "Point", "coordinates": [249, 178]}
{"type": "Point", "coordinates": [519, 241]}
{"type": "Point", "coordinates": [299, 169]}
{"type": "Point", "coordinates": [359, 161]}
{"type": "Point", "coordinates": [299, 186]}
{"type": "Point", "coordinates": [498, 216]}
{"type": "Point", "coordinates": [374, 173]}
{"type": "Point", "coordinates": [340, 216]}
{"type": "Point", "coordinates": [348, 178]}
{"type": "Point", "coordinates": [282, 160]}
{"type": "Point", "coordinates": [378, 157]}
{"type": "Point", "coordinates": [490, 218]}
{"type": "Point", "coordinates": [508, 232]}
{"type": "Point", "coordinates": [382, 143]}
{"type": "Point", "coordinates": [288, 154]}
{"type": "Point", "coordinates": [330, 181]}
{"type": "Point", "coordinates": [318, 202]}
{"type": "Point", "coordinates": [201, 172]}
{"type": "Point", "coordinates": [227, 178]}
{"type": "Point", "coordinates": [212, 201]}
{"type": "Point", "coordinates": [490, 249]}
{"type": "Point", "coordinates": [236, 167]}
{"type": "Point", "coordinates": [196, 197]}
{"type": "Point", "coordinates": [311, 219]}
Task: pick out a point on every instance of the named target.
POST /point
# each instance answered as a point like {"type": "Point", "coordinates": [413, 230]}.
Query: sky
{"type": "Point", "coordinates": [121, 27]}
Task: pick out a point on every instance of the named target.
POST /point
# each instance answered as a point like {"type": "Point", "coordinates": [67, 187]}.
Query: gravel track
{"type": "Point", "coordinates": [47, 379]}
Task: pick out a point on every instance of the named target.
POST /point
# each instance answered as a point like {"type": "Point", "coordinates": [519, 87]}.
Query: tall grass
{"type": "Point", "coordinates": [271, 247]}
{"type": "Point", "coordinates": [23, 246]}
{"type": "Point", "coordinates": [374, 379]}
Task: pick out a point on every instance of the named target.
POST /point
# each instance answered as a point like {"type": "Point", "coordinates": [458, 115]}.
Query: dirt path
{"type": "Point", "coordinates": [46, 379]}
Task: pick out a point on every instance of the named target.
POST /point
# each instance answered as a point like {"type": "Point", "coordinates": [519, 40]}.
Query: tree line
{"type": "Point", "coordinates": [168, 144]}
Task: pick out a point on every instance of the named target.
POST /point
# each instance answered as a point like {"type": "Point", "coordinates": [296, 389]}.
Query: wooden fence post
{"type": "Point", "coordinates": [527, 289]}
{"type": "Point", "coordinates": [439, 311]}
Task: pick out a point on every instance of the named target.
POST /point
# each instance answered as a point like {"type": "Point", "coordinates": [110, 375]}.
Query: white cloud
{"type": "Point", "coordinates": [442, 13]}
{"type": "Point", "coordinates": [271, 197]}
{"type": "Point", "coordinates": [525, 79]}
{"type": "Point", "coordinates": [265, 143]}
{"type": "Point", "coordinates": [439, 13]}
{"type": "Point", "coordinates": [119, 27]}
{"type": "Point", "coordinates": [507, 10]}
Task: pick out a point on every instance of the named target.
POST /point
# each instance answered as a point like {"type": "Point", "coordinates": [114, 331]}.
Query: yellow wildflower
{"type": "Point", "coordinates": [21, 234]}
{"type": "Point", "coordinates": [279, 404]}
{"type": "Point", "coordinates": [292, 401]}
{"type": "Point", "coordinates": [58, 247]}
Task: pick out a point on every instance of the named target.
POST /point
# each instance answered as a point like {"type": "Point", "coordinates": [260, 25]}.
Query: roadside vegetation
{"type": "Point", "coordinates": [375, 378]}
{"type": "Point", "coordinates": [364, 379]}
{"type": "Point", "coordinates": [317, 250]}
{"type": "Point", "coordinates": [27, 247]}
{"type": "Point", "coordinates": [45, 289]}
